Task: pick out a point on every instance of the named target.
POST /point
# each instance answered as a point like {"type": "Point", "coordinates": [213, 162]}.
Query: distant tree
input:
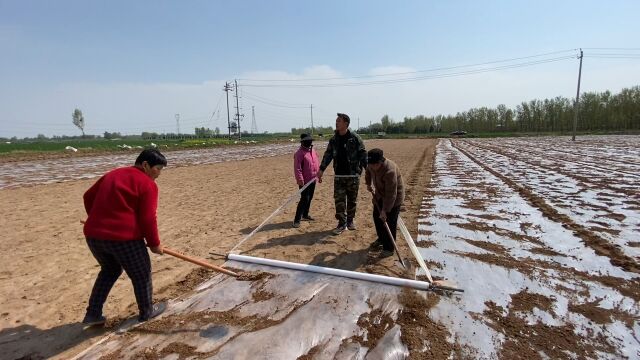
{"type": "Point", "coordinates": [41, 137]}
{"type": "Point", "coordinates": [114, 135]}
{"type": "Point", "coordinates": [217, 130]}
{"type": "Point", "coordinates": [201, 132]}
{"type": "Point", "coordinates": [78, 120]}
{"type": "Point", "coordinates": [386, 121]}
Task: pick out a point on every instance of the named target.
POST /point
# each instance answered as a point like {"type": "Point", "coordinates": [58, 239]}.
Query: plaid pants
{"type": "Point", "coordinates": [113, 257]}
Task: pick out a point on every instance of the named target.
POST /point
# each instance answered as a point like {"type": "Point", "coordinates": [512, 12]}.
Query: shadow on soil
{"type": "Point", "coordinates": [27, 342]}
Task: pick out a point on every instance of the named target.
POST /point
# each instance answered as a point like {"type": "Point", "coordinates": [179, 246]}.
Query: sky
{"type": "Point", "coordinates": [131, 66]}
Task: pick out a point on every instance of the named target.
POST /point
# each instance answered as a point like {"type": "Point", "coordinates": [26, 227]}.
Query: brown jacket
{"type": "Point", "coordinates": [388, 184]}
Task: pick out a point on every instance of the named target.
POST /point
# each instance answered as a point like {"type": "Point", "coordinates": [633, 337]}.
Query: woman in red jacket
{"type": "Point", "coordinates": [121, 209]}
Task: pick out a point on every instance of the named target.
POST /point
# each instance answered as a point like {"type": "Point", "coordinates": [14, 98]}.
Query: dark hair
{"type": "Point", "coordinates": [375, 156]}
{"type": "Point", "coordinates": [344, 117]}
{"type": "Point", "coordinates": [153, 157]}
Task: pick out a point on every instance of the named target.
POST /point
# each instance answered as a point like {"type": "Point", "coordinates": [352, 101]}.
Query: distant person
{"type": "Point", "coordinates": [384, 181]}
{"type": "Point", "coordinates": [349, 156]}
{"type": "Point", "coordinates": [305, 169]}
{"type": "Point", "coordinates": [121, 209]}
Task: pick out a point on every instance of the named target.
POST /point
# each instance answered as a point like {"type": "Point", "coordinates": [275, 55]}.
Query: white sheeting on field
{"type": "Point", "coordinates": [24, 173]}
{"type": "Point", "coordinates": [307, 310]}
{"type": "Point", "coordinates": [517, 231]}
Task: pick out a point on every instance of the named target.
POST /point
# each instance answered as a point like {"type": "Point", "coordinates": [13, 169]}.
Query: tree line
{"type": "Point", "coordinates": [597, 112]}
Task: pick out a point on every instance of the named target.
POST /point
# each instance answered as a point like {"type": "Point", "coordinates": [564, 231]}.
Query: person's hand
{"type": "Point", "coordinates": [383, 216]}
{"type": "Point", "coordinates": [156, 249]}
{"type": "Point", "coordinates": [300, 182]}
{"type": "Point", "coordinates": [320, 176]}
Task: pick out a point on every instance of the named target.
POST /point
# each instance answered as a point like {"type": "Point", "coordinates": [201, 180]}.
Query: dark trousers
{"type": "Point", "coordinates": [305, 202]}
{"type": "Point", "coordinates": [113, 257]}
{"type": "Point", "coordinates": [392, 221]}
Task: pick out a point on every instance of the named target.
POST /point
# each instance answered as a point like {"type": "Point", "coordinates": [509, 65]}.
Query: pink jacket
{"type": "Point", "coordinates": [305, 164]}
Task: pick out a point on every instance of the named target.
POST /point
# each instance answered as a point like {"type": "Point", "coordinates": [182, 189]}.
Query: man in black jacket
{"type": "Point", "coordinates": [349, 156]}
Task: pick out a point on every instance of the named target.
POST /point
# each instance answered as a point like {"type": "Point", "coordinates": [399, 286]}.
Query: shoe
{"type": "Point", "coordinates": [308, 218]}
{"type": "Point", "coordinates": [376, 244]}
{"type": "Point", "coordinates": [386, 253]}
{"type": "Point", "coordinates": [339, 229]}
{"type": "Point", "coordinates": [351, 225]}
{"type": "Point", "coordinates": [296, 224]}
{"type": "Point", "coordinates": [93, 320]}
{"type": "Point", "coordinates": [156, 310]}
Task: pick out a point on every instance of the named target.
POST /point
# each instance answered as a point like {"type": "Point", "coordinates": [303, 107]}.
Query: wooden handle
{"type": "Point", "coordinates": [198, 262]}
{"type": "Point", "coordinates": [193, 260]}
{"type": "Point", "coordinates": [393, 241]}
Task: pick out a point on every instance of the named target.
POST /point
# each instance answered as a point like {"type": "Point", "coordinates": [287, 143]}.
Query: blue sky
{"type": "Point", "coordinates": [132, 65]}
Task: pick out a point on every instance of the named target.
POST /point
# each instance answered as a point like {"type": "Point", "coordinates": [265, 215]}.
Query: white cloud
{"type": "Point", "coordinates": [133, 107]}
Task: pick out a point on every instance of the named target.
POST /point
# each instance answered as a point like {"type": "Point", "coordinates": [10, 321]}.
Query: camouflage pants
{"type": "Point", "coordinates": [345, 194]}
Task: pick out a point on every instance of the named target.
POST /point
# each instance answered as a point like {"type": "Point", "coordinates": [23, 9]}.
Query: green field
{"type": "Point", "coordinates": [102, 145]}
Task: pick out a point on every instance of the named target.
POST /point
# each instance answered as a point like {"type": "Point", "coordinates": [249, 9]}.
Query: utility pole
{"type": "Point", "coordinates": [311, 119]}
{"type": "Point", "coordinates": [227, 88]}
{"type": "Point", "coordinates": [576, 105]}
{"type": "Point", "coordinates": [178, 125]}
{"type": "Point", "coordinates": [238, 111]}
{"type": "Point", "coordinates": [254, 126]}
{"type": "Point", "coordinates": [358, 123]}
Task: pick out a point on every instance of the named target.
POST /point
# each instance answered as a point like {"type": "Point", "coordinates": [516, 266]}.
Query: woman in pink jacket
{"type": "Point", "coordinates": [305, 169]}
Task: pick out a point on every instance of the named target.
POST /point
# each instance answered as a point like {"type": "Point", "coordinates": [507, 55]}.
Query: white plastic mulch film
{"type": "Point", "coordinates": [273, 314]}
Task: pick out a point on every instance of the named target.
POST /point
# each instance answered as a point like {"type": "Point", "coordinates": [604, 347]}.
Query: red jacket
{"type": "Point", "coordinates": [122, 206]}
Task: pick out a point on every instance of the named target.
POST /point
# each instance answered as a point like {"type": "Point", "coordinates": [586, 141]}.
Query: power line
{"type": "Point", "coordinates": [417, 71]}
{"type": "Point", "coordinates": [402, 80]}
{"type": "Point", "coordinates": [611, 48]}
{"type": "Point", "coordinates": [613, 56]}
{"type": "Point", "coordinates": [254, 98]}
{"type": "Point", "coordinates": [273, 100]}
{"type": "Point", "coordinates": [276, 103]}
{"type": "Point", "coordinates": [217, 107]}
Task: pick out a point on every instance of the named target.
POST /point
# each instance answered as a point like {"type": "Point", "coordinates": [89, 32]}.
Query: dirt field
{"type": "Point", "coordinates": [47, 271]}
{"type": "Point", "coordinates": [540, 232]}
